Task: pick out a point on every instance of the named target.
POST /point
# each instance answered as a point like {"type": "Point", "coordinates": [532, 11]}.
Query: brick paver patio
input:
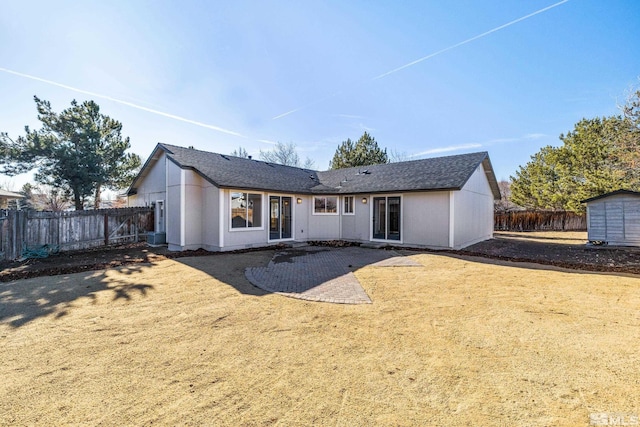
{"type": "Point", "coordinates": [322, 274]}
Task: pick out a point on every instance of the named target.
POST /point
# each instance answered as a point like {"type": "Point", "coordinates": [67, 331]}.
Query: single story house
{"type": "Point", "coordinates": [220, 202]}
{"type": "Point", "coordinates": [5, 196]}
{"type": "Point", "coordinates": [614, 218]}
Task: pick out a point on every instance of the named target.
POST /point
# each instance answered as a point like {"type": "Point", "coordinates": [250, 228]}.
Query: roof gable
{"type": "Point", "coordinates": [433, 174]}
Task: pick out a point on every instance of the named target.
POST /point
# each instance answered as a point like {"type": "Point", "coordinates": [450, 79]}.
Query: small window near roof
{"type": "Point", "coordinates": [325, 205]}
{"type": "Point", "coordinates": [347, 205]}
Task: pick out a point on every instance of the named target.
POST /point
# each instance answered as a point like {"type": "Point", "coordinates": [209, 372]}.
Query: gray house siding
{"type": "Point", "coordinates": [174, 206]}
{"type": "Point", "coordinates": [356, 227]}
{"type": "Point", "coordinates": [425, 219]}
{"type": "Point", "coordinates": [193, 210]}
{"type": "Point", "coordinates": [154, 187]}
{"type": "Point", "coordinates": [301, 218]}
{"type": "Point", "coordinates": [323, 227]}
{"type": "Point", "coordinates": [473, 208]}
{"type": "Point", "coordinates": [210, 216]}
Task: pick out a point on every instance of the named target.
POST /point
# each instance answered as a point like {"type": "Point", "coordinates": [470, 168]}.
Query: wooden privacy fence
{"type": "Point", "coordinates": [73, 230]}
{"type": "Point", "coordinates": [539, 221]}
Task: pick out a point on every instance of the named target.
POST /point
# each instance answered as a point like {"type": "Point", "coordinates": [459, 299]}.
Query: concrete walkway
{"type": "Point", "coordinates": [322, 274]}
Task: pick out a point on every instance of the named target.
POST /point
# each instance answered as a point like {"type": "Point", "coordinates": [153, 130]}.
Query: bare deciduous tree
{"type": "Point", "coordinates": [240, 152]}
{"type": "Point", "coordinates": [286, 154]}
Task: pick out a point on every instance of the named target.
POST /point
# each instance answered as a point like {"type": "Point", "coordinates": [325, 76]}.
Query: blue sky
{"type": "Point", "coordinates": [219, 75]}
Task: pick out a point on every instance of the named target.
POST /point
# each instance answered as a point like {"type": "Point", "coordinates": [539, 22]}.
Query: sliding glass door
{"type": "Point", "coordinates": [386, 218]}
{"type": "Point", "coordinates": [280, 218]}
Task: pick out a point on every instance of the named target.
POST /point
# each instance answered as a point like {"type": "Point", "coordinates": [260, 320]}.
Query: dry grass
{"type": "Point", "coordinates": [189, 342]}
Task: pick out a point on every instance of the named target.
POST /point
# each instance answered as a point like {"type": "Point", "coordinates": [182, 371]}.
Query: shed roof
{"type": "Point", "coordinates": [612, 193]}
{"type": "Point", "coordinates": [225, 171]}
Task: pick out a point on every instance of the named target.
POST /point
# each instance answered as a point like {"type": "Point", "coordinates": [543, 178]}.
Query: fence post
{"type": "Point", "coordinates": [136, 224]}
{"type": "Point", "coordinates": [12, 222]}
{"type": "Point", "coordinates": [106, 229]}
{"type": "Point", "coordinates": [16, 233]}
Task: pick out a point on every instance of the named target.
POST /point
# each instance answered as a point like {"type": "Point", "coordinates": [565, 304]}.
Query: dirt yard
{"type": "Point", "coordinates": [189, 342]}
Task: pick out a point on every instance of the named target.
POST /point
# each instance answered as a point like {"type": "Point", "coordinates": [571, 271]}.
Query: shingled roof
{"type": "Point", "coordinates": [225, 171]}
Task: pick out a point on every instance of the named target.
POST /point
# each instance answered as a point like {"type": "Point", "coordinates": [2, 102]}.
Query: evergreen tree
{"type": "Point", "coordinates": [363, 153]}
{"type": "Point", "coordinates": [595, 158]}
{"type": "Point", "coordinates": [79, 151]}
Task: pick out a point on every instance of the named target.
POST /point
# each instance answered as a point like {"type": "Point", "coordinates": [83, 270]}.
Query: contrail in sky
{"type": "Point", "coordinates": [424, 58]}
{"type": "Point", "coordinates": [486, 33]}
{"type": "Point", "coordinates": [128, 104]}
{"type": "Point", "coordinates": [446, 149]}
{"type": "Point", "coordinates": [318, 101]}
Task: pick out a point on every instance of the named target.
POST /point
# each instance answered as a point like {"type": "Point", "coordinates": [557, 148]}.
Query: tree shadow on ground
{"type": "Point", "coordinates": [229, 268]}
{"type": "Point", "coordinates": [311, 270]}
{"type": "Point", "coordinates": [23, 301]}
{"type": "Point", "coordinates": [313, 273]}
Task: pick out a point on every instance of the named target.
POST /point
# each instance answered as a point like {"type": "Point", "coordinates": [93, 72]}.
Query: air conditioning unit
{"type": "Point", "coordinates": [154, 238]}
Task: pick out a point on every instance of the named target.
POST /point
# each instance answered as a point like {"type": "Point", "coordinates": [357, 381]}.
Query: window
{"type": "Point", "coordinates": [246, 210]}
{"type": "Point", "coordinates": [347, 205]}
{"type": "Point", "coordinates": [325, 205]}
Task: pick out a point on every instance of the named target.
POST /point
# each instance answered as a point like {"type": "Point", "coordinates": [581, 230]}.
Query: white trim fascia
{"type": "Point", "coordinates": [183, 207]}
{"type": "Point", "coordinates": [452, 230]}
{"type": "Point", "coordinates": [221, 210]}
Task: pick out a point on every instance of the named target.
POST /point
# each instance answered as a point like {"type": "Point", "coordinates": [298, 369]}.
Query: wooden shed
{"type": "Point", "coordinates": [614, 218]}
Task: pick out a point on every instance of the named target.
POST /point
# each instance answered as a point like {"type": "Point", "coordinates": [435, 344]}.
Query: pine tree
{"type": "Point", "coordinates": [78, 151]}
{"type": "Point", "coordinates": [594, 159]}
{"type": "Point", "coordinates": [363, 153]}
